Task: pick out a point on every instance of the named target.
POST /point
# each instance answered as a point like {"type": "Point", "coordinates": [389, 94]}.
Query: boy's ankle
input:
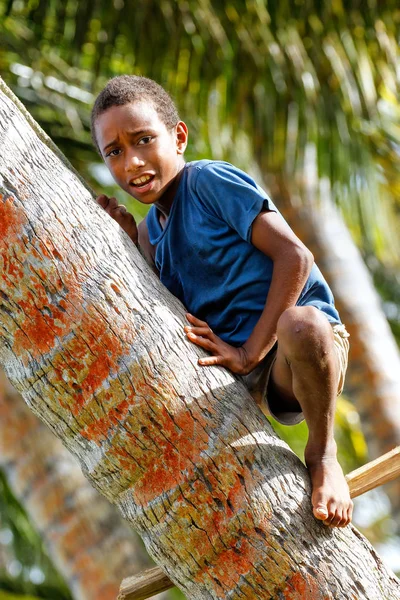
{"type": "Point", "coordinates": [317, 451]}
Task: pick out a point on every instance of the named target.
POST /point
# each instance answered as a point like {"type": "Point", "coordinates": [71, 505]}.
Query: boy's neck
{"type": "Point", "coordinates": [164, 204]}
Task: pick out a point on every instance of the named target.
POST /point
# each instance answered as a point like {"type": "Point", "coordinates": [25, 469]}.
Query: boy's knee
{"type": "Point", "coordinates": [302, 326]}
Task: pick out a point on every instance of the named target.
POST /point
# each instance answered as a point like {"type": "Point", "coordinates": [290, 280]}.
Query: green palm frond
{"type": "Point", "coordinates": [307, 89]}
{"type": "Point", "coordinates": [25, 553]}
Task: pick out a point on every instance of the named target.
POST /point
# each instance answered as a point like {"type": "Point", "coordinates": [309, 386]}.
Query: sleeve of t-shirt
{"type": "Point", "coordinates": [230, 194]}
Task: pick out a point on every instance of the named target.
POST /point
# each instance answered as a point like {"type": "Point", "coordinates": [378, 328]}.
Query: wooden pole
{"type": "Point", "coordinates": [144, 585]}
{"type": "Point", "coordinates": [375, 473]}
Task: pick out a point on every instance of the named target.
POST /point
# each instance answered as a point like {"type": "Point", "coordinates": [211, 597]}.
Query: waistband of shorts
{"type": "Point", "coordinates": [340, 329]}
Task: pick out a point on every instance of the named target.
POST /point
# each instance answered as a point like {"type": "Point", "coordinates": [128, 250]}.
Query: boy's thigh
{"type": "Point", "coordinates": [270, 383]}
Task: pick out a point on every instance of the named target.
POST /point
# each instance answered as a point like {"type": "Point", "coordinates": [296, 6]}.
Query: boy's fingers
{"type": "Point", "coordinates": [196, 320]}
{"type": "Point", "coordinates": [203, 331]}
{"type": "Point", "coordinates": [211, 360]}
{"type": "Point", "coordinates": [205, 343]}
{"type": "Point", "coordinates": [107, 203]}
{"type": "Point", "coordinates": [118, 213]}
{"type": "Point", "coordinates": [112, 204]}
{"type": "Point", "coordinates": [102, 200]}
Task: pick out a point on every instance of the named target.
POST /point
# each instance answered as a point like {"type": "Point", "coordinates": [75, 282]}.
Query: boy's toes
{"type": "Point", "coordinates": [332, 515]}
{"type": "Point", "coordinates": [337, 519]}
{"type": "Point", "coordinates": [343, 522]}
{"type": "Point", "coordinates": [323, 506]}
{"type": "Point", "coordinates": [347, 515]}
{"type": "Point", "coordinates": [320, 512]}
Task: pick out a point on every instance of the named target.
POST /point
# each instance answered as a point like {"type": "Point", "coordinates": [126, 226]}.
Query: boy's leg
{"type": "Point", "coordinates": [305, 375]}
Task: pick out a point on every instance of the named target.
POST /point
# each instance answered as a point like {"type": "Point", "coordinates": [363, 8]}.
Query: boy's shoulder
{"type": "Point", "coordinates": [199, 173]}
{"type": "Point", "coordinates": [204, 166]}
{"type": "Point", "coordinates": [209, 165]}
{"type": "Point", "coordinates": [225, 192]}
{"type": "Point", "coordinates": [206, 171]}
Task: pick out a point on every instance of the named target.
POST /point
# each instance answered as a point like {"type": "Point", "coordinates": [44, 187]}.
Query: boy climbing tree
{"type": "Point", "coordinates": [258, 303]}
{"type": "Point", "coordinates": [95, 344]}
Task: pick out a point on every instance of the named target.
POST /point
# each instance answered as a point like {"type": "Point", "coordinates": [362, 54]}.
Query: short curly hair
{"type": "Point", "coordinates": [123, 89]}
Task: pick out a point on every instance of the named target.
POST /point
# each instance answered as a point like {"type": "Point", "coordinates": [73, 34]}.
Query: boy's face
{"type": "Point", "coordinates": [142, 154]}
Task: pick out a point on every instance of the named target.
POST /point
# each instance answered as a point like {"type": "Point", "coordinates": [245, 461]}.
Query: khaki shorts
{"type": "Point", "coordinates": [257, 381]}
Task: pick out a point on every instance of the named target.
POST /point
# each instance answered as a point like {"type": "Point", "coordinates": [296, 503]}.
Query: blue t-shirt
{"type": "Point", "coordinates": [205, 257]}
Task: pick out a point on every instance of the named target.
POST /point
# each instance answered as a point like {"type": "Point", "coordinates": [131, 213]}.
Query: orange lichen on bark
{"type": "Point", "coordinates": [116, 289]}
{"type": "Point", "coordinates": [223, 546]}
{"type": "Point", "coordinates": [41, 319]}
{"type": "Point", "coordinates": [11, 269]}
{"type": "Point", "coordinates": [12, 223]}
{"type": "Point", "coordinates": [301, 586]}
{"type": "Point", "coordinates": [58, 324]}
{"type": "Point", "coordinates": [99, 428]}
{"type": "Point", "coordinates": [166, 442]}
{"type": "Point", "coordinates": [232, 564]}
{"type": "Point", "coordinates": [84, 375]}
{"type": "Point", "coordinates": [176, 449]}
{"type": "Point", "coordinates": [12, 220]}
{"type": "Point", "coordinates": [52, 306]}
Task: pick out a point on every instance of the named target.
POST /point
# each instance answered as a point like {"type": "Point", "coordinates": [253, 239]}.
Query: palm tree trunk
{"type": "Point", "coordinates": [86, 538]}
{"type": "Point", "coordinates": [373, 379]}
{"type": "Point", "coordinates": [94, 342]}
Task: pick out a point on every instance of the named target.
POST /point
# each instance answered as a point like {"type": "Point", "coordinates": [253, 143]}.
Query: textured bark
{"type": "Point", "coordinates": [94, 343]}
{"type": "Point", "coordinates": [373, 377]}
{"type": "Point", "coordinates": [87, 539]}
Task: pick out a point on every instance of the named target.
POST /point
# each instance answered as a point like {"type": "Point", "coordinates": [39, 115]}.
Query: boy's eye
{"type": "Point", "coordinates": [146, 139]}
{"type": "Point", "coordinates": [113, 152]}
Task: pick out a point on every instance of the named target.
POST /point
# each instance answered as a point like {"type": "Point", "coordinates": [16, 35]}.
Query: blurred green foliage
{"type": "Point", "coordinates": [11, 596]}
{"type": "Point", "coordinates": [26, 553]}
{"type": "Point", "coordinates": [352, 449]}
{"type": "Point", "coordinates": [300, 87]}
{"type": "Point", "coordinates": [304, 88]}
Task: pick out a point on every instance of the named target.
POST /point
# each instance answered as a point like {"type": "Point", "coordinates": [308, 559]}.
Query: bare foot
{"type": "Point", "coordinates": [330, 497]}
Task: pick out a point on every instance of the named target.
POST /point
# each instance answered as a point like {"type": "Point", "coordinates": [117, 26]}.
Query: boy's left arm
{"type": "Point", "coordinates": [292, 266]}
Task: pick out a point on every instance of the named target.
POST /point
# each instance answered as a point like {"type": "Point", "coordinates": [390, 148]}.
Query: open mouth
{"type": "Point", "coordinates": [141, 181]}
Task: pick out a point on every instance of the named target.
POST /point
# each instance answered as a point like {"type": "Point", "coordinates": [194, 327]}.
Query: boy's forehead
{"type": "Point", "coordinates": [133, 114]}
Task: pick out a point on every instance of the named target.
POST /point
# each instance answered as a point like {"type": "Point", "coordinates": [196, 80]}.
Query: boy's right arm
{"type": "Point", "coordinates": [138, 234]}
{"type": "Point", "coordinates": [119, 213]}
{"type": "Point", "coordinates": [147, 249]}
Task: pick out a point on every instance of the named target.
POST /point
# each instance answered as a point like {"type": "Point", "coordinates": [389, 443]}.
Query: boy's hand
{"type": "Point", "coordinates": [232, 358]}
{"type": "Point", "coordinates": [119, 213]}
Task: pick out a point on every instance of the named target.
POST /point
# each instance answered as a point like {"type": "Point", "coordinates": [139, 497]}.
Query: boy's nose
{"type": "Point", "coordinates": [133, 161]}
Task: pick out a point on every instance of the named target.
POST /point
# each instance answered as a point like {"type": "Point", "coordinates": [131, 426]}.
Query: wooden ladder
{"type": "Point", "coordinates": [373, 474]}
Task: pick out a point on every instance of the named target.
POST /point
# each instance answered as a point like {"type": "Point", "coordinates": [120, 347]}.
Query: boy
{"type": "Point", "coordinates": [257, 303]}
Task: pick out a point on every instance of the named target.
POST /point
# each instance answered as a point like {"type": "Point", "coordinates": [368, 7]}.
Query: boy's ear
{"type": "Point", "coordinates": [181, 137]}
